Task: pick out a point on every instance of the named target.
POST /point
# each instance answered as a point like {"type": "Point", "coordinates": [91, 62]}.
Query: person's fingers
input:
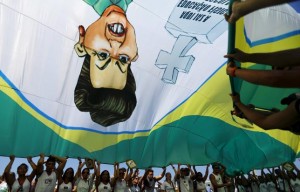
{"type": "Point", "coordinates": [229, 56]}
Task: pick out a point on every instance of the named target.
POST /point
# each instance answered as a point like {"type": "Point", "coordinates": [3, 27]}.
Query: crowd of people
{"type": "Point", "coordinates": [284, 74]}
{"type": "Point", "coordinates": [51, 176]}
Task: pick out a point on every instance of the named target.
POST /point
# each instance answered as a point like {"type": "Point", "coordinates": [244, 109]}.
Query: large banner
{"type": "Point", "coordinates": [140, 80]}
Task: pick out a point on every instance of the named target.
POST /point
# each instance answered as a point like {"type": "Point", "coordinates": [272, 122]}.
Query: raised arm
{"type": "Point", "coordinates": [33, 166]}
{"type": "Point", "coordinates": [157, 178]}
{"type": "Point", "coordinates": [40, 164]}
{"type": "Point", "coordinates": [271, 78]}
{"type": "Point", "coordinates": [116, 174]}
{"type": "Point", "coordinates": [97, 173]}
{"type": "Point", "coordinates": [206, 173]}
{"type": "Point", "coordinates": [9, 180]}
{"type": "Point", "coordinates": [79, 168]}
{"type": "Point", "coordinates": [177, 175]}
{"type": "Point", "coordinates": [279, 120]}
{"type": "Point", "coordinates": [192, 173]}
{"type": "Point", "coordinates": [62, 164]}
{"type": "Point", "coordinates": [285, 58]}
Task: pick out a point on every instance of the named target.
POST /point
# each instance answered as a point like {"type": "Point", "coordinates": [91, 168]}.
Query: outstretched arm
{"type": "Point", "coordinates": [280, 120]}
{"type": "Point", "coordinates": [157, 178]}
{"type": "Point", "coordinates": [285, 58]}
{"type": "Point", "coordinates": [9, 180]}
{"type": "Point", "coordinates": [206, 172]}
{"type": "Point", "coordinates": [271, 78]}
{"type": "Point", "coordinates": [34, 167]}
{"type": "Point", "coordinates": [78, 172]}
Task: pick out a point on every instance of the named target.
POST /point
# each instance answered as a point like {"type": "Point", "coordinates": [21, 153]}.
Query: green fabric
{"type": "Point", "coordinates": [101, 5]}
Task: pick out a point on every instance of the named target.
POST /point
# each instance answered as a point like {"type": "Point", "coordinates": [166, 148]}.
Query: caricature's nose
{"type": "Point", "coordinates": [115, 45]}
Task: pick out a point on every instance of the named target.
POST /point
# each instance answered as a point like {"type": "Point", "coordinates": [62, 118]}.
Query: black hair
{"type": "Point", "coordinates": [106, 106]}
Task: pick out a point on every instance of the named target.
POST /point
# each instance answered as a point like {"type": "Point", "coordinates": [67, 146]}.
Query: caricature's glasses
{"type": "Point", "coordinates": [121, 61]}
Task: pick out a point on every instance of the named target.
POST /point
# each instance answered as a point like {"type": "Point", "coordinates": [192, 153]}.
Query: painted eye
{"type": "Point", "coordinates": [124, 59]}
{"type": "Point", "coordinates": [102, 55]}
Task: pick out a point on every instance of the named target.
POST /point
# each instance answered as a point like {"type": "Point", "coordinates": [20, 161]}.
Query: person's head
{"type": "Point", "coordinates": [268, 177]}
{"type": "Point", "coordinates": [150, 174]}
{"type": "Point", "coordinates": [168, 176]}
{"type": "Point", "coordinates": [22, 169]}
{"type": "Point", "coordinates": [122, 172]}
{"type": "Point", "coordinates": [85, 173]}
{"type": "Point", "coordinates": [261, 179]}
{"type": "Point", "coordinates": [50, 164]}
{"type": "Point", "coordinates": [216, 168]}
{"type": "Point", "coordinates": [135, 180]}
{"type": "Point", "coordinates": [69, 174]}
{"type": "Point", "coordinates": [199, 176]}
{"type": "Point", "coordinates": [104, 176]}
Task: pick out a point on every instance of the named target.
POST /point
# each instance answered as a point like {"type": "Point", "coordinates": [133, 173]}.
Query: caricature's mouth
{"type": "Point", "coordinates": [116, 29]}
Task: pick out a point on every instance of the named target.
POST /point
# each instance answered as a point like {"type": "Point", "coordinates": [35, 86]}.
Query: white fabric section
{"type": "Point", "coordinates": [37, 39]}
{"type": "Point", "coordinates": [278, 24]}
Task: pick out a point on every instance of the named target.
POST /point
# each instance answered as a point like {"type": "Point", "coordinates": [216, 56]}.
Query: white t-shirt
{"type": "Point", "coordinates": [16, 186]}
{"type": "Point", "coordinates": [271, 186]}
{"type": "Point", "coordinates": [65, 187]}
{"type": "Point", "coordinates": [295, 184]}
{"type": "Point", "coordinates": [186, 184]}
{"type": "Point", "coordinates": [167, 187]}
{"type": "Point", "coordinates": [254, 186]}
{"type": "Point", "coordinates": [134, 188]}
{"type": "Point", "coordinates": [84, 186]}
{"type": "Point", "coordinates": [46, 183]}
{"type": "Point", "coordinates": [104, 187]}
{"type": "Point", "coordinates": [241, 188]}
{"type": "Point", "coordinates": [120, 186]}
{"type": "Point", "coordinates": [263, 187]}
{"type": "Point", "coordinates": [201, 186]}
{"type": "Point", "coordinates": [283, 185]}
{"type": "Point", "coordinates": [219, 182]}
{"type": "Point", "coordinates": [3, 187]}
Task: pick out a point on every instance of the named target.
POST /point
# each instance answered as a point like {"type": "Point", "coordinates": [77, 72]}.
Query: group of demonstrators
{"type": "Point", "coordinates": [51, 176]}
{"type": "Point", "coordinates": [284, 74]}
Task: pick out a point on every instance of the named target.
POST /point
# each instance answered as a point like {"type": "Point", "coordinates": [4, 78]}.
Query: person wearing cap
{"type": "Point", "coordinates": [47, 178]}
{"type": "Point", "coordinates": [184, 178]}
{"type": "Point", "coordinates": [216, 178]}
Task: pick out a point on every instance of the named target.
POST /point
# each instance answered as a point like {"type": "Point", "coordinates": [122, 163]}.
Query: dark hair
{"type": "Point", "coordinates": [65, 175]}
{"type": "Point", "coordinates": [101, 175]}
{"type": "Point", "coordinates": [23, 164]}
{"type": "Point", "coordinates": [106, 106]}
{"type": "Point", "coordinates": [51, 159]}
{"type": "Point", "coordinates": [85, 169]}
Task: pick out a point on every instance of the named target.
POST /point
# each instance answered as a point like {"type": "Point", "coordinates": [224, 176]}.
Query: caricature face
{"type": "Point", "coordinates": [110, 42]}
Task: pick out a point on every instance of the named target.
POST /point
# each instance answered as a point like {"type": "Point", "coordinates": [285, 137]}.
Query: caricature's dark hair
{"type": "Point", "coordinates": [106, 106]}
